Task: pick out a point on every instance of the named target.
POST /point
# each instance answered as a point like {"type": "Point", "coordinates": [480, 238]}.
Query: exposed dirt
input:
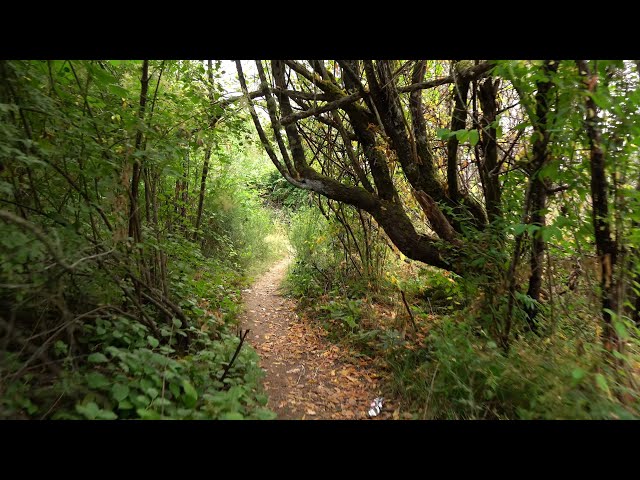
{"type": "Point", "coordinates": [307, 376]}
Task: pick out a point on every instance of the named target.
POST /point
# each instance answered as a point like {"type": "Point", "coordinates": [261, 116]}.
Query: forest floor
{"type": "Point", "coordinates": [307, 376]}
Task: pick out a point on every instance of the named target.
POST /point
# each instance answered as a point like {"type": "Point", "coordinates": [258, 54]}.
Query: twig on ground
{"type": "Point", "coordinates": [233, 359]}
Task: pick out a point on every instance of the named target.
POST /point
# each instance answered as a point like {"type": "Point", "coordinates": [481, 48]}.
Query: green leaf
{"type": "Point", "coordinates": [92, 411]}
{"type": "Point", "coordinates": [602, 383]}
{"type": "Point", "coordinates": [621, 330]}
{"type": "Point", "coordinates": [520, 228]}
{"type": "Point", "coordinates": [106, 415]}
{"type": "Point", "coordinates": [152, 341]}
{"type": "Point", "coordinates": [97, 358]}
{"type": "Point", "coordinates": [232, 416]}
{"type": "Point", "coordinates": [462, 135]}
{"type": "Point", "coordinates": [620, 356]}
{"type": "Point", "coordinates": [146, 414]}
{"type": "Point", "coordinates": [443, 133]}
{"type": "Point", "coordinates": [551, 231]}
{"type": "Point", "coordinates": [263, 414]}
{"type": "Point", "coordinates": [474, 137]}
{"type": "Point", "coordinates": [119, 391]}
{"type": "Point", "coordinates": [97, 380]}
{"type": "Point", "coordinates": [175, 389]}
{"type": "Point", "coordinates": [578, 373]}
{"type": "Point", "coordinates": [190, 394]}
{"type": "Point", "coordinates": [177, 323]}
{"type": "Point", "coordinates": [118, 90]}
{"type": "Point", "coordinates": [533, 229]}
{"type": "Point", "coordinates": [161, 402]}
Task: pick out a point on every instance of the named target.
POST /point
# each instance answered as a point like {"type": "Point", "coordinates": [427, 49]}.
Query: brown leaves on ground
{"type": "Point", "coordinates": [307, 376]}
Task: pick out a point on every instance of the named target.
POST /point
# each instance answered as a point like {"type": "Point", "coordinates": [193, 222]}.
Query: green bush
{"type": "Point", "coordinates": [462, 374]}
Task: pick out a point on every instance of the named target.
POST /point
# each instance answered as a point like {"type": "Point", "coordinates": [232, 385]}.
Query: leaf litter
{"type": "Point", "coordinates": [307, 376]}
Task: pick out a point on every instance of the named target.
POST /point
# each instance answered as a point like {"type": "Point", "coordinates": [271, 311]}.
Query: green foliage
{"type": "Point", "coordinates": [240, 228]}
{"type": "Point", "coordinates": [98, 321]}
{"type": "Point", "coordinates": [344, 310]}
{"type": "Point", "coordinates": [460, 373]}
{"type": "Point", "coordinates": [316, 260]}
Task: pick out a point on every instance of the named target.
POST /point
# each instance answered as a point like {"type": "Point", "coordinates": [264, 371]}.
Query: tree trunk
{"type": "Point", "coordinates": [606, 247]}
{"type": "Point", "coordinates": [538, 193]}
{"type": "Point", "coordinates": [134, 214]}
{"type": "Point", "coordinates": [487, 94]}
{"type": "Point", "coordinates": [207, 156]}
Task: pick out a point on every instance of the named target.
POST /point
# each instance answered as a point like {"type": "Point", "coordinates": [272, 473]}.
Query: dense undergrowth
{"type": "Point", "coordinates": [446, 363]}
{"type": "Point", "coordinates": [135, 204]}
{"type": "Point", "coordinates": [119, 368]}
{"type": "Point", "coordinates": [109, 314]}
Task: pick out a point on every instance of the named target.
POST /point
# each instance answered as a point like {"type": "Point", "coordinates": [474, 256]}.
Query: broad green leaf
{"type": "Point", "coordinates": [92, 411]}
{"type": "Point", "coordinates": [146, 414]}
{"type": "Point", "coordinates": [190, 394]}
{"type": "Point", "coordinates": [443, 133]}
{"type": "Point", "coordinates": [119, 391]}
{"type": "Point", "coordinates": [105, 415]}
{"type": "Point", "coordinates": [97, 358]}
{"type": "Point", "coordinates": [533, 229]}
{"type": "Point", "coordinates": [118, 90]}
{"type": "Point", "coordinates": [578, 373]}
{"type": "Point", "coordinates": [520, 228]}
{"type": "Point", "coordinates": [152, 341]}
{"type": "Point", "coordinates": [89, 410]}
{"type": "Point", "coordinates": [232, 416]}
{"type": "Point", "coordinates": [602, 383]}
{"type": "Point", "coordinates": [177, 323]}
{"type": "Point", "coordinates": [621, 330]}
{"type": "Point", "coordinates": [474, 137]}
{"type": "Point", "coordinates": [462, 135]}
{"type": "Point", "coordinates": [549, 232]}
{"type": "Point", "coordinates": [175, 389]}
{"type": "Point", "coordinates": [97, 380]}
{"type": "Point", "coordinates": [161, 402]}
{"type": "Point", "coordinates": [263, 414]}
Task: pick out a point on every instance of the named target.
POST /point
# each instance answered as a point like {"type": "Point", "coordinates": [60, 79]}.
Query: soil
{"type": "Point", "coordinates": [307, 376]}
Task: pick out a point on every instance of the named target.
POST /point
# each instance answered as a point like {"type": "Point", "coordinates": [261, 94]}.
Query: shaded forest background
{"type": "Point", "coordinates": [469, 226]}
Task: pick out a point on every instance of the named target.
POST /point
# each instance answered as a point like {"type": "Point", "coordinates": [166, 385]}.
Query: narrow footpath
{"type": "Point", "coordinates": [307, 376]}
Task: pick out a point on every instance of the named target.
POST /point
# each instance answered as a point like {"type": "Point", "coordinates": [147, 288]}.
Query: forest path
{"type": "Point", "coordinates": [307, 376]}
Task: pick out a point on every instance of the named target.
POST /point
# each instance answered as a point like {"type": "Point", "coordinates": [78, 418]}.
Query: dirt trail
{"type": "Point", "coordinates": [307, 376]}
